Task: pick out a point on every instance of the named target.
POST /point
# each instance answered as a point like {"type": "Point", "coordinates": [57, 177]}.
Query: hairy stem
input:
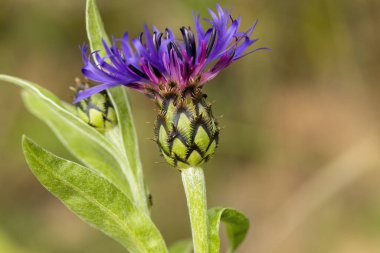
{"type": "Point", "coordinates": [195, 189]}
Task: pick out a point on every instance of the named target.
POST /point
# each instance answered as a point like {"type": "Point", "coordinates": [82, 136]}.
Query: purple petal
{"type": "Point", "coordinates": [93, 90]}
{"type": "Point", "coordinates": [250, 52]}
{"type": "Point", "coordinates": [149, 40]}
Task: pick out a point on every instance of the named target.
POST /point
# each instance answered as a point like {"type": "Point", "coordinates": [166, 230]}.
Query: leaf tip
{"type": "Point", "coordinates": [27, 144]}
{"type": "Point", "coordinates": [25, 141]}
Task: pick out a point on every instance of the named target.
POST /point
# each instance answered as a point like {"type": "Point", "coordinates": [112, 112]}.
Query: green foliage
{"type": "Point", "coordinates": [237, 226]}
{"type": "Point", "coordinates": [83, 141]}
{"type": "Point", "coordinates": [119, 98]}
{"type": "Point", "coordinates": [184, 246]}
{"type": "Point", "coordinates": [94, 199]}
{"type": "Point", "coordinates": [108, 172]}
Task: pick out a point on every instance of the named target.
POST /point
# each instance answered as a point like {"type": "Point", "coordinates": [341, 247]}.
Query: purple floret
{"type": "Point", "coordinates": [164, 60]}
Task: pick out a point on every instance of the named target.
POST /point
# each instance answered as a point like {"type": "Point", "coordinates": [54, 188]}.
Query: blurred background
{"type": "Point", "coordinates": [299, 153]}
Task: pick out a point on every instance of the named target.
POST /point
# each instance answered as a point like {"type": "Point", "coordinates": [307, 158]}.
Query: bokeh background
{"type": "Point", "coordinates": [300, 149]}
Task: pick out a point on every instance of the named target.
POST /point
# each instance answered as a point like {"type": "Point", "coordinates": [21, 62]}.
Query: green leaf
{"type": "Point", "coordinates": [95, 28]}
{"type": "Point", "coordinates": [95, 200]}
{"type": "Point", "coordinates": [32, 87]}
{"type": "Point", "coordinates": [83, 141]}
{"type": "Point", "coordinates": [237, 226]}
{"type": "Point", "coordinates": [120, 101]}
{"type": "Point", "coordinates": [183, 246]}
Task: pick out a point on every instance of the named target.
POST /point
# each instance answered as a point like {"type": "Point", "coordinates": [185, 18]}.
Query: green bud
{"type": "Point", "coordinates": [97, 110]}
{"type": "Point", "coordinates": [185, 130]}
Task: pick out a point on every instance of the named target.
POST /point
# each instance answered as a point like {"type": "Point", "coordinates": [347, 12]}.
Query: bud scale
{"type": "Point", "coordinates": [185, 130]}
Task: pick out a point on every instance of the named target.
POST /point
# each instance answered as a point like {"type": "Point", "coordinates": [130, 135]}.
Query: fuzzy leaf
{"type": "Point", "coordinates": [120, 101]}
{"type": "Point", "coordinates": [32, 87]}
{"type": "Point", "coordinates": [183, 246]}
{"type": "Point", "coordinates": [83, 141]}
{"type": "Point", "coordinates": [91, 147]}
{"type": "Point", "coordinates": [95, 27]}
{"type": "Point", "coordinates": [94, 199]}
{"type": "Point", "coordinates": [237, 226]}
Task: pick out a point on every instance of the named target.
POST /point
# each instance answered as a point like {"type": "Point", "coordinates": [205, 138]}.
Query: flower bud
{"type": "Point", "coordinates": [185, 130]}
{"type": "Point", "coordinates": [97, 110]}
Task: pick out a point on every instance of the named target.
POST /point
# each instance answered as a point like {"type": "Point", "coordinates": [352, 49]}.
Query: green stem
{"type": "Point", "coordinates": [195, 189]}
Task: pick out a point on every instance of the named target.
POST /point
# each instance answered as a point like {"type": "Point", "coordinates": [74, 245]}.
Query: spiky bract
{"type": "Point", "coordinates": [185, 130]}
{"type": "Point", "coordinates": [97, 110]}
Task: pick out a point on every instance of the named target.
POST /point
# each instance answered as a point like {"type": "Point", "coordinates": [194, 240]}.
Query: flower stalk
{"type": "Point", "coordinates": [195, 189]}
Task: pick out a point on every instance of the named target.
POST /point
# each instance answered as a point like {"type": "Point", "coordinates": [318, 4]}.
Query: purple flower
{"type": "Point", "coordinates": [166, 62]}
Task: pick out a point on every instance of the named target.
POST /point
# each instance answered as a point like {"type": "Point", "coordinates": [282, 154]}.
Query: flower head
{"type": "Point", "coordinates": [173, 71]}
{"type": "Point", "coordinates": [157, 60]}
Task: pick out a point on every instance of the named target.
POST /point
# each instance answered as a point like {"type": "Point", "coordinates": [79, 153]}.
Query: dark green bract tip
{"type": "Point", "coordinates": [97, 110]}
{"type": "Point", "coordinates": [186, 131]}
